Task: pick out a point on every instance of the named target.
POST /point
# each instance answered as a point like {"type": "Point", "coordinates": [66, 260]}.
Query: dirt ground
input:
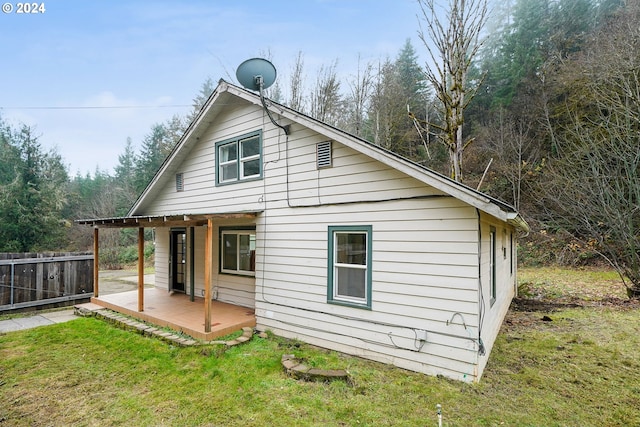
{"type": "Point", "coordinates": [548, 305]}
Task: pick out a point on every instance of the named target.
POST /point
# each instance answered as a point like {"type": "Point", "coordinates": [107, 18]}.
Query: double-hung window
{"type": "Point", "coordinates": [239, 159]}
{"type": "Point", "coordinates": [238, 251]}
{"type": "Point", "coordinates": [349, 266]}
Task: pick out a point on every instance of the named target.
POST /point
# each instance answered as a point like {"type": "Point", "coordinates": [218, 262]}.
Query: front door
{"type": "Point", "coordinates": [178, 260]}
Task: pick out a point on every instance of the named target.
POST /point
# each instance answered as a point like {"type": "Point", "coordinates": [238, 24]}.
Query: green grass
{"type": "Point", "coordinates": [580, 369]}
{"type": "Point", "coordinates": [587, 284]}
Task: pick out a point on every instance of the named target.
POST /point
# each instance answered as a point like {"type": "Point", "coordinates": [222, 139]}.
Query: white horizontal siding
{"type": "Point", "coordinates": [447, 352]}
{"type": "Point", "coordinates": [200, 192]}
{"type": "Point", "coordinates": [161, 258]}
{"type": "Point", "coordinates": [289, 172]}
{"type": "Point", "coordinates": [233, 289]}
{"type": "Point", "coordinates": [425, 272]}
{"type": "Point", "coordinates": [505, 282]}
{"type": "Point", "coordinates": [425, 247]}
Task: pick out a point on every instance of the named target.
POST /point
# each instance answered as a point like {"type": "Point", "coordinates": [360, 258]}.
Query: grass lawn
{"type": "Point", "coordinates": [579, 367]}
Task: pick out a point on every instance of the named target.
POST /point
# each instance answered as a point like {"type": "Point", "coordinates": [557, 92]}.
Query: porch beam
{"type": "Point", "coordinates": [96, 263]}
{"type": "Point", "coordinates": [183, 220]}
{"type": "Point", "coordinates": [208, 251]}
{"type": "Point", "coordinates": [141, 269]}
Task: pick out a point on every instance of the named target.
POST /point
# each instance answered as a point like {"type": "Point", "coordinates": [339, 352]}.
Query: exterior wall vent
{"type": "Point", "coordinates": [179, 182]}
{"type": "Point", "coordinates": [323, 154]}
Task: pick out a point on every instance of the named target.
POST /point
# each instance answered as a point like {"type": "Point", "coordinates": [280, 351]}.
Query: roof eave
{"type": "Point", "coordinates": [448, 186]}
{"type": "Point", "coordinates": [188, 135]}
{"type": "Point", "coordinates": [517, 221]}
{"type": "Point", "coordinates": [468, 195]}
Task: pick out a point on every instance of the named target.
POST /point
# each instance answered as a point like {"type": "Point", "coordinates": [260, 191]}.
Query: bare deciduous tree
{"type": "Point", "coordinates": [517, 155]}
{"type": "Point", "coordinates": [325, 100]}
{"type": "Point", "coordinates": [360, 85]}
{"type": "Point", "coordinates": [296, 87]}
{"type": "Point", "coordinates": [593, 184]}
{"type": "Point", "coordinates": [452, 44]}
{"type": "Point", "coordinates": [387, 110]}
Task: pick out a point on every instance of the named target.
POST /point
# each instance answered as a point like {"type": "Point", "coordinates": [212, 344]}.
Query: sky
{"type": "Point", "coordinates": [87, 75]}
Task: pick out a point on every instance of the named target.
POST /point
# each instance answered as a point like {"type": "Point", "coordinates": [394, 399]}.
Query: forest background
{"type": "Point", "coordinates": [553, 128]}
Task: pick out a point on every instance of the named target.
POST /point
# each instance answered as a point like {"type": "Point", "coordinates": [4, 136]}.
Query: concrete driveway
{"type": "Point", "coordinates": [116, 281]}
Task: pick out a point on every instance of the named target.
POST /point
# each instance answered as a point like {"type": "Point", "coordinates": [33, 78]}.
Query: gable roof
{"type": "Point", "coordinates": [227, 94]}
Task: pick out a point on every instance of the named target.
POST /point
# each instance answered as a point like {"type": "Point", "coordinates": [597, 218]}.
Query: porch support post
{"type": "Point", "coordinates": [208, 251]}
{"type": "Point", "coordinates": [96, 263]}
{"type": "Point", "coordinates": [141, 269]}
{"type": "Point", "coordinates": [192, 263]}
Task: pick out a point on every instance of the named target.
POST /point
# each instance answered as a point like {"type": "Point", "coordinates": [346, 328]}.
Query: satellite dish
{"type": "Point", "coordinates": [256, 74]}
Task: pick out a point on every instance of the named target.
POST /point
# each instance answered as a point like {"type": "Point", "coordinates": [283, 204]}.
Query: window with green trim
{"type": "Point", "coordinates": [238, 251]}
{"type": "Point", "coordinates": [239, 159]}
{"type": "Point", "coordinates": [349, 266]}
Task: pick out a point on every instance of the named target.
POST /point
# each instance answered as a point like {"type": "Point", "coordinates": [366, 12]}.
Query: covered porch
{"type": "Point", "coordinates": [198, 316]}
{"type": "Point", "coordinates": [176, 311]}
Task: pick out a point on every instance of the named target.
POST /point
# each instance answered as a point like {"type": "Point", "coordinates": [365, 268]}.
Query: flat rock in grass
{"type": "Point", "coordinates": [298, 370]}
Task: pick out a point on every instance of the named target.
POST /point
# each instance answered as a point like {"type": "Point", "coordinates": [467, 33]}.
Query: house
{"type": "Point", "coordinates": [329, 239]}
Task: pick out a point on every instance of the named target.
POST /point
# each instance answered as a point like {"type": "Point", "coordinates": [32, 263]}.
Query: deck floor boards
{"type": "Point", "coordinates": [178, 312]}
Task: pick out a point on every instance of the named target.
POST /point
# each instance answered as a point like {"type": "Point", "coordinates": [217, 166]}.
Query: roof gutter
{"type": "Point", "coordinates": [516, 220]}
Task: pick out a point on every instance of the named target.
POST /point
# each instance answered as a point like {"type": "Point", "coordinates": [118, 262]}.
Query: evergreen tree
{"type": "Point", "coordinates": [125, 169]}
{"type": "Point", "coordinates": [174, 129]}
{"type": "Point", "coordinates": [400, 86]}
{"type": "Point", "coordinates": [207, 88]}
{"type": "Point", "coordinates": [411, 78]}
{"type": "Point", "coordinates": [31, 203]}
{"type": "Point", "coordinates": [152, 154]}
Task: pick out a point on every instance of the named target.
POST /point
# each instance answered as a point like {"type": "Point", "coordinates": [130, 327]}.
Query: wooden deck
{"type": "Point", "coordinates": [178, 312]}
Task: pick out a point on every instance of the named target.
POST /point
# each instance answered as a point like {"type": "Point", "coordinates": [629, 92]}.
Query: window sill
{"type": "Point", "coordinates": [238, 181]}
{"type": "Point", "coordinates": [349, 304]}
{"type": "Point", "coordinates": [238, 273]}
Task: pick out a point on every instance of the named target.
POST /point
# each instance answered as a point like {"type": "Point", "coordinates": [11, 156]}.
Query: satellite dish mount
{"type": "Point", "coordinates": [258, 74]}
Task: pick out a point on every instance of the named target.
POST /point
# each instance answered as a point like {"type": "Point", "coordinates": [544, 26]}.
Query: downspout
{"type": "Point", "coordinates": [481, 349]}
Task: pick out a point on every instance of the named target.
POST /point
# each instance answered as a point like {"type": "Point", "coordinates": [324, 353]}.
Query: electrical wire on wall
{"type": "Point", "coordinates": [418, 343]}
{"type": "Point", "coordinates": [263, 198]}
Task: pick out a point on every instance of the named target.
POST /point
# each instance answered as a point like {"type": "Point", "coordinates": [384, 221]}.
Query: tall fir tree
{"type": "Point", "coordinates": [31, 204]}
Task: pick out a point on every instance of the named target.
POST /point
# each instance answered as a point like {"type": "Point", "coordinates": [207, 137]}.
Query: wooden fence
{"type": "Point", "coordinates": [30, 279]}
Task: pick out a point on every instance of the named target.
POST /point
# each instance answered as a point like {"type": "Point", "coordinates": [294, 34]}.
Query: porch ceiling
{"type": "Point", "coordinates": [178, 220]}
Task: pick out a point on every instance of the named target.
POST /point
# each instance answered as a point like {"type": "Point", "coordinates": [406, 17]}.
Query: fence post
{"type": "Point", "coordinates": [39, 280]}
{"type": "Point", "coordinates": [96, 263]}
{"type": "Point", "coordinates": [13, 275]}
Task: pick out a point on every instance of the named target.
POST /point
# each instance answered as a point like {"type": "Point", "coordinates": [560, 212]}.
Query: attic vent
{"type": "Point", "coordinates": [323, 152]}
{"type": "Point", "coordinates": [179, 182]}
